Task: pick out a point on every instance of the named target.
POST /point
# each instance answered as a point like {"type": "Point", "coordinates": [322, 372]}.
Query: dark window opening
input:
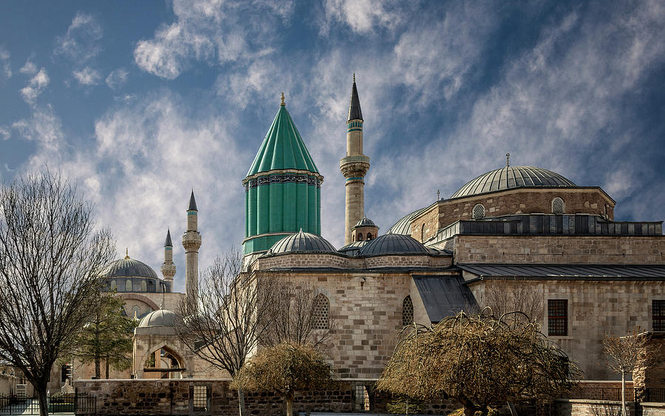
{"type": "Point", "coordinates": [658, 313]}
{"type": "Point", "coordinates": [557, 317]}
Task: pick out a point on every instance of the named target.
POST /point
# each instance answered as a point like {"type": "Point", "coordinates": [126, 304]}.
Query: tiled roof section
{"type": "Point", "coordinates": [161, 317]}
{"type": "Point", "coordinates": [566, 271]}
{"type": "Point", "coordinates": [444, 296]}
{"type": "Point", "coordinates": [192, 203]}
{"type": "Point", "coordinates": [302, 242]}
{"type": "Point", "coordinates": [403, 226]}
{"type": "Point", "coordinates": [355, 113]}
{"type": "Point", "coordinates": [282, 148]}
{"type": "Point", "coordinates": [393, 244]}
{"type": "Point", "coordinates": [512, 177]}
{"type": "Point", "coordinates": [129, 268]}
{"type": "Point", "coordinates": [168, 242]}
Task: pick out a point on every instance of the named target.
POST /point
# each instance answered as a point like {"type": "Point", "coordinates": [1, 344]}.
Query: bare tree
{"type": "Point", "coordinates": [231, 316]}
{"type": "Point", "coordinates": [480, 360]}
{"type": "Point", "coordinates": [50, 264]}
{"type": "Point", "coordinates": [513, 298]}
{"type": "Point", "coordinates": [297, 314]}
{"type": "Point", "coordinates": [628, 354]}
{"type": "Point", "coordinates": [286, 368]}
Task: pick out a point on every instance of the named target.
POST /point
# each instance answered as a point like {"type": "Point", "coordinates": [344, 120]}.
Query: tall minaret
{"type": "Point", "coordinates": [354, 166]}
{"type": "Point", "coordinates": [168, 268]}
{"type": "Point", "coordinates": [191, 241]}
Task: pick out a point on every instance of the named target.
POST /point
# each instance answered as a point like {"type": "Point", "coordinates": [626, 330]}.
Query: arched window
{"type": "Point", "coordinates": [407, 311]}
{"type": "Point", "coordinates": [360, 236]}
{"type": "Point", "coordinates": [321, 312]}
{"type": "Point", "coordinates": [144, 286]}
{"type": "Point", "coordinates": [128, 285]}
{"type": "Point", "coordinates": [422, 233]}
{"type": "Point", "coordinates": [478, 211]}
{"type": "Point", "coordinates": [369, 236]}
{"type": "Point", "coordinates": [558, 206]}
{"type": "Point", "coordinates": [114, 285]}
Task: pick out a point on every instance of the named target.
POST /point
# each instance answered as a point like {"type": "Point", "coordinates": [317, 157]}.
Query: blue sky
{"type": "Point", "coordinates": [139, 102]}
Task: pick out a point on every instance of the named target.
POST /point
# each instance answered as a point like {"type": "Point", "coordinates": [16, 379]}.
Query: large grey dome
{"type": "Point", "coordinates": [129, 268]}
{"type": "Point", "coordinates": [302, 242]}
{"type": "Point", "coordinates": [160, 317]}
{"type": "Point", "coordinates": [512, 177]}
{"type": "Point", "coordinates": [393, 244]}
{"type": "Point", "coordinates": [403, 226]}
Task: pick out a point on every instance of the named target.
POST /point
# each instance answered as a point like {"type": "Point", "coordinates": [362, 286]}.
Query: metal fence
{"type": "Point", "coordinates": [79, 404]}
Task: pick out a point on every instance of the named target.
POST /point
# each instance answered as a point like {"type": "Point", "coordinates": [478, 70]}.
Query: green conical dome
{"type": "Point", "coordinates": [282, 148]}
{"type": "Point", "coordinates": [282, 188]}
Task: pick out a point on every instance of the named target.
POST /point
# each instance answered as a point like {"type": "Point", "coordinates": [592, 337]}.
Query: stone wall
{"type": "Point", "coordinates": [559, 249]}
{"type": "Point", "coordinates": [514, 201]}
{"type": "Point", "coordinates": [653, 409]}
{"type": "Point", "coordinates": [595, 308]}
{"type": "Point", "coordinates": [173, 397]}
{"type": "Point", "coordinates": [337, 261]}
{"type": "Point", "coordinates": [584, 407]}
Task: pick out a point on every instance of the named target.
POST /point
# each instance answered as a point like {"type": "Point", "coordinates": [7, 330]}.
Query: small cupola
{"type": "Point", "coordinates": [364, 230]}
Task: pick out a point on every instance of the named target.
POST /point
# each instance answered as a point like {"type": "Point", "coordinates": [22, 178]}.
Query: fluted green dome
{"type": "Point", "coordinates": [282, 148]}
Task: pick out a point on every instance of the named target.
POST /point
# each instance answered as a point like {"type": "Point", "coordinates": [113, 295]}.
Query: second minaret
{"type": "Point", "coordinates": [354, 166]}
{"type": "Point", "coordinates": [191, 241]}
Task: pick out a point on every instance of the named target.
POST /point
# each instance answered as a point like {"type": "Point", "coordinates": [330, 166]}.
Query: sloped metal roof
{"type": "Point", "coordinates": [168, 242]}
{"type": "Point", "coordinates": [192, 203]}
{"type": "Point", "coordinates": [565, 271]}
{"type": "Point", "coordinates": [444, 296]}
{"type": "Point", "coordinates": [511, 177]}
{"type": "Point", "coordinates": [282, 148]}
{"type": "Point", "coordinates": [302, 242]}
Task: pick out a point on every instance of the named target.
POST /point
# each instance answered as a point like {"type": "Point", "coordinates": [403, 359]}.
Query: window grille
{"type": "Point", "coordinates": [557, 317]}
{"type": "Point", "coordinates": [558, 206]}
{"type": "Point", "coordinates": [128, 285]}
{"type": "Point", "coordinates": [321, 312]}
{"type": "Point", "coordinates": [478, 211]}
{"type": "Point", "coordinates": [407, 311]}
{"type": "Point", "coordinates": [658, 313]}
{"type": "Point", "coordinates": [361, 398]}
{"type": "Point", "coordinates": [200, 398]}
{"type": "Point", "coordinates": [144, 286]}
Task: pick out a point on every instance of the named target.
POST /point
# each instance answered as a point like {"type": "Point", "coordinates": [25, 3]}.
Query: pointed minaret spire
{"type": "Point", "coordinates": [355, 113]}
{"type": "Point", "coordinates": [192, 203]}
{"type": "Point", "coordinates": [354, 166]}
{"type": "Point", "coordinates": [282, 103]}
{"type": "Point", "coordinates": [168, 267]}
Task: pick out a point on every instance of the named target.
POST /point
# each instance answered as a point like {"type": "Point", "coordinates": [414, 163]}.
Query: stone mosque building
{"type": "Point", "coordinates": [513, 230]}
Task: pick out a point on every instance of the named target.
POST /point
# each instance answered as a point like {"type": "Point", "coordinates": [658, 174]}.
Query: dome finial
{"type": "Point", "coordinates": [507, 160]}
{"type": "Point", "coordinates": [126, 253]}
{"type": "Point", "coordinates": [282, 99]}
{"type": "Point", "coordinates": [354, 77]}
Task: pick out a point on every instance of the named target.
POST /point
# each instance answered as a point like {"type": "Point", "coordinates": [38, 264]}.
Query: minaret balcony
{"type": "Point", "coordinates": [354, 166]}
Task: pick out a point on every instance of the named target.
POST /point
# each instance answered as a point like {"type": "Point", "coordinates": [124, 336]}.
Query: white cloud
{"type": "Point", "coordinates": [4, 61]}
{"type": "Point", "coordinates": [44, 128]}
{"type": "Point", "coordinates": [117, 78]}
{"type": "Point", "coordinates": [87, 76]}
{"type": "Point", "coordinates": [5, 133]}
{"type": "Point", "coordinates": [29, 68]}
{"type": "Point", "coordinates": [35, 87]}
{"type": "Point", "coordinates": [81, 42]}
{"type": "Point", "coordinates": [362, 16]}
{"type": "Point", "coordinates": [204, 30]}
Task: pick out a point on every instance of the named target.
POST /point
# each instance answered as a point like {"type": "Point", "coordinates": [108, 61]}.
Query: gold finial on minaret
{"type": "Point", "coordinates": [507, 160]}
{"type": "Point", "coordinates": [282, 99]}
{"type": "Point", "coordinates": [126, 253]}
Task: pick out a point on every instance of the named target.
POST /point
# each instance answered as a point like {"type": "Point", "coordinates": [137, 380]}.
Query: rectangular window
{"type": "Point", "coordinates": [658, 312]}
{"type": "Point", "coordinates": [200, 398]}
{"type": "Point", "coordinates": [557, 317]}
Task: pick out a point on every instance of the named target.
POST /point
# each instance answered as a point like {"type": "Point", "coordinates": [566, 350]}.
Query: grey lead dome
{"type": "Point", "coordinates": [512, 177]}
{"type": "Point", "coordinates": [393, 244]}
{"type": "Point", "coordinates": [129, 268]}
{"type": "Point", "coordinates": [160, 317]}
{"type": "Point", "coordinates": [302, 242]}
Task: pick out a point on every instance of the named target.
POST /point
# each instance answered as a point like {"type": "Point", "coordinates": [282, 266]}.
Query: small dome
{"type": "Point", "coordinates": [302, 242]}
{"type": "Point", "coordinates": [353, 249]}
{"type": "Point", "coordinates": [129, 268]}
{"type": "Point", "coordinates": [161, 317]}
{"type": "Point", "coordinates": [393, 244]}
{"type": "Point", "coordinates": [403, 226]}
{"type": "Point", "coordinates": [510, 177]}
{"type": "Point", "coordinates": [365, 222]}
